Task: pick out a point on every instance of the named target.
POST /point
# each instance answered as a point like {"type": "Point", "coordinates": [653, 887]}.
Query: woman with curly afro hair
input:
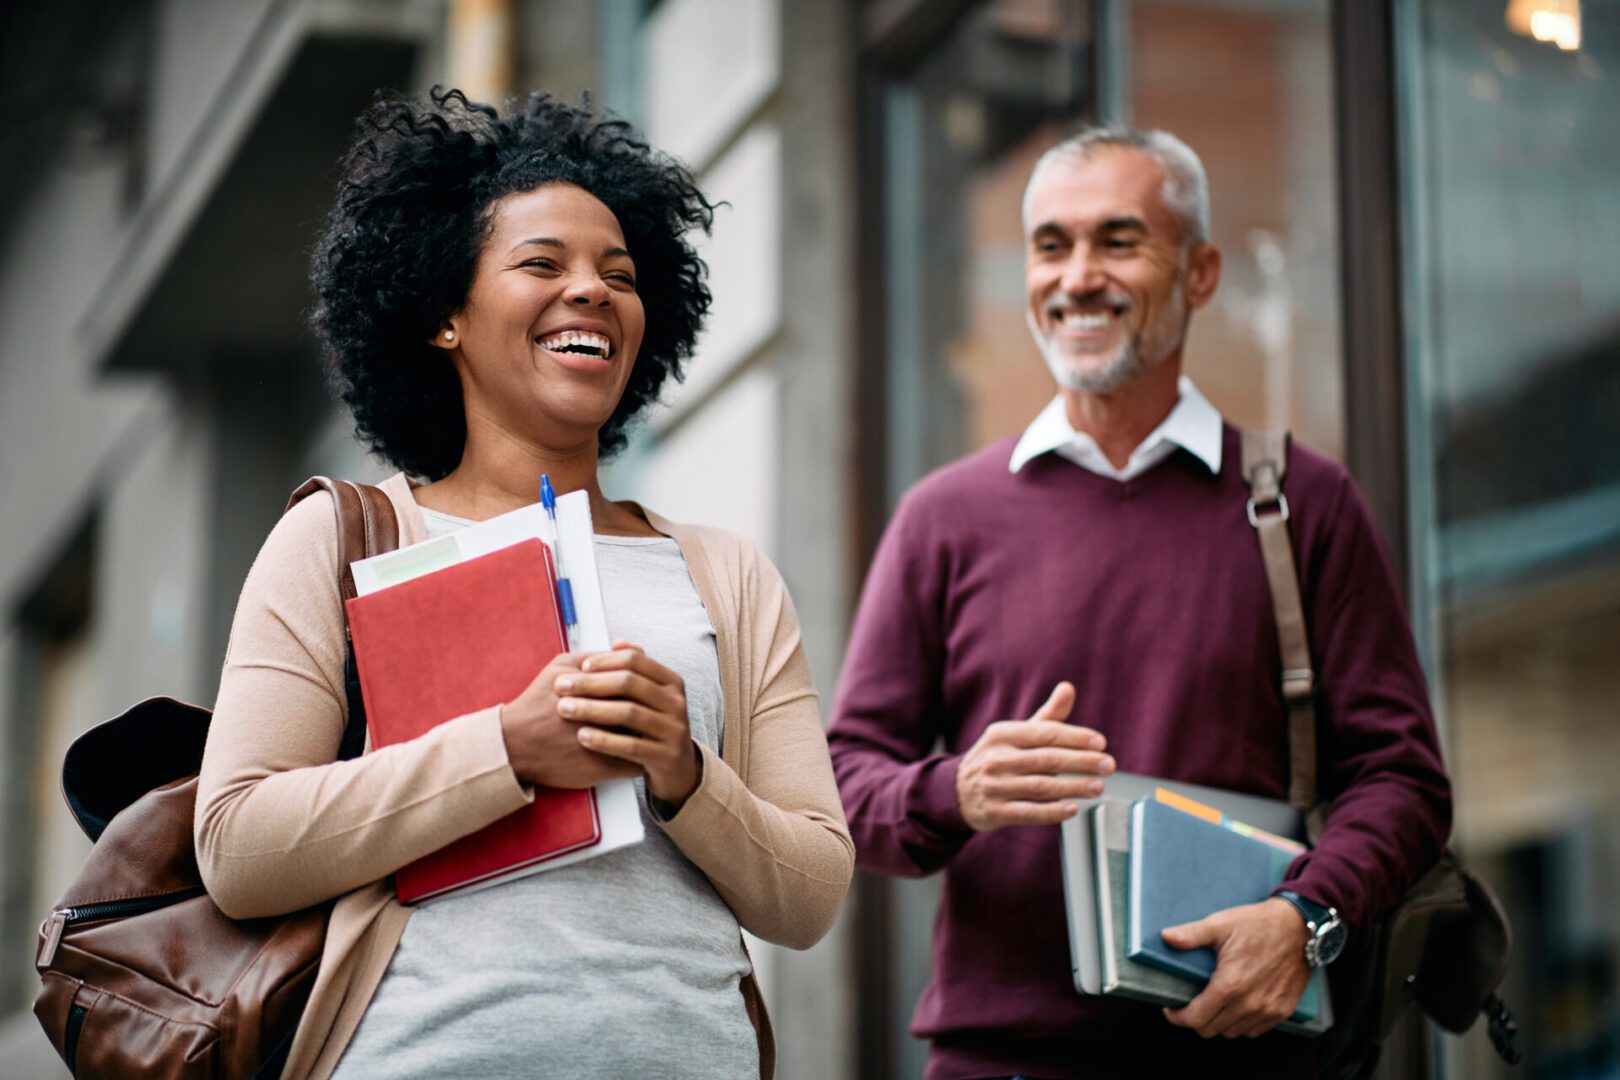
{"type": "Point", "coordinates": [499, 296]}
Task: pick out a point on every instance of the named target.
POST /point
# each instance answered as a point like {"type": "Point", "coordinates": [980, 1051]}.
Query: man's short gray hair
{"type": "Point", "coordinates": [1186, 187]}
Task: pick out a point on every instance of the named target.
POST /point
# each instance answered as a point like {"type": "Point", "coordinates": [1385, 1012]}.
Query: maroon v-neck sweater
{"type": "Point", "coordinates": [1150, 596]}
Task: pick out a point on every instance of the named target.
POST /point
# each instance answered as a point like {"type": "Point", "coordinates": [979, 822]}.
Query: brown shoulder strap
{"type": "Point", "coordinates": [366, 524]}
{"type": "Point", "coordinates": [1265, 460]}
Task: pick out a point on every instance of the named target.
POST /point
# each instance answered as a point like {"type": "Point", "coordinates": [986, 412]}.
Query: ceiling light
{"type": "Point", "coordinates": [1554, 21]}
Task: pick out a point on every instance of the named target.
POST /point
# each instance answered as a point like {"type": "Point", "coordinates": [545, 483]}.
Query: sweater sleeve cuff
{"type": "Point", "coordinates": [933, 801]}
{"type": "Point", "coordinates": [1313, 885]}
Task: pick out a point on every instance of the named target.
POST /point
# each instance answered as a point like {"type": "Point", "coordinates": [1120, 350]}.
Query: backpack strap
{"type": "Point", "coordinates": [366, 526]}
{"type": "Point", "coordinates": [1265, 460]}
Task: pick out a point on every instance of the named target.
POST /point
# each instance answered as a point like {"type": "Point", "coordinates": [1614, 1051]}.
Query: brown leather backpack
{"type": "Point", "coordinates": [142, 974]}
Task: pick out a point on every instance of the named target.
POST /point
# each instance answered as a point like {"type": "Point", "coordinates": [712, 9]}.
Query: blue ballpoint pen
{"type": "Point", "coordinates": [565, 589]}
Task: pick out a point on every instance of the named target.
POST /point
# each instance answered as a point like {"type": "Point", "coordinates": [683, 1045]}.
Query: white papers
{"type": "Point", "coordinates": [615, 799]}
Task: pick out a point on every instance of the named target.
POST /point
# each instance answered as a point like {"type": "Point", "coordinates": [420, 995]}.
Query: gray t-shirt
{"type": "Point", "coordinates": [623, 965]}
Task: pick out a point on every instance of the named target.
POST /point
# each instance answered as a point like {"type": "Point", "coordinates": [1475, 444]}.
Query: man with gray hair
{"type": "Point", "coordinates": [1090, 596]}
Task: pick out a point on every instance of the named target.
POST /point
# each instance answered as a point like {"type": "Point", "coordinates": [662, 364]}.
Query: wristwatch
{"type": "Point", "coordinates": [1328, 932]}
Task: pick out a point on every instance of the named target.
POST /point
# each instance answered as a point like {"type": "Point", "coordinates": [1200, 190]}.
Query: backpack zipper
{"type": "Point", "coordinates": [57, 922]}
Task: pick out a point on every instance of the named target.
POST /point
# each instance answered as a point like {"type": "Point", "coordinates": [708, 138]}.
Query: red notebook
{"type": "Point", "coordinates": [452, 642]}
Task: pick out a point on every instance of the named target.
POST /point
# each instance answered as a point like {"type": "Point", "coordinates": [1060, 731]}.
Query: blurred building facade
{"type": "Point", "coordinates": [1419, 204]}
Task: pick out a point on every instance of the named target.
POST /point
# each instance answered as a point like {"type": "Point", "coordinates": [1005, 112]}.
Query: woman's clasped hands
{"type": "Point", "coordinates": [590, 717]}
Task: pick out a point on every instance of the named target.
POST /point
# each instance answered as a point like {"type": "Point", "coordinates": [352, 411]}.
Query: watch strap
{"type": "Point", "coordinates": [1314, 914]}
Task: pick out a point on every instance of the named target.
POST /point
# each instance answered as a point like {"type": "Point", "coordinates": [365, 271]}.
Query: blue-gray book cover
{"type": "Point", "coordinates": [1182, 869]}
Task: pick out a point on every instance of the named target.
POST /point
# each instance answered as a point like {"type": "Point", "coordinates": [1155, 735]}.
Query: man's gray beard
{"type": "Point", "coordinates": [1125, 365]}
{"type": "Point", "coordinates": [1128, 360]}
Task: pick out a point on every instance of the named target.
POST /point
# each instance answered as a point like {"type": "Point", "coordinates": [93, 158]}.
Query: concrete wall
{"type": "Point", "coordinates": [144, 455]}
{"type": "Point", "coordinates": [58, 424]}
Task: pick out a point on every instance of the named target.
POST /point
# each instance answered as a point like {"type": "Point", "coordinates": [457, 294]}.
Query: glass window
{"type": "Point", "coordinates": [1249, 87]}
{"type": "Point", "coordinates": [1513, 188]}
{"type": "Point", "coordinates": [962, 127]}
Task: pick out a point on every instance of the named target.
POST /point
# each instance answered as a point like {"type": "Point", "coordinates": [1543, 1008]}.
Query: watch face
{"type": "Point", "coordinates": [1328, 943]}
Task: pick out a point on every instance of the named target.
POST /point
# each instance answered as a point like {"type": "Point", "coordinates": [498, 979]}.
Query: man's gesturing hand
{"type": "Point", "coordinates": [1013, 774]}
{"type": "Point", "coordinates": [1260, 969]}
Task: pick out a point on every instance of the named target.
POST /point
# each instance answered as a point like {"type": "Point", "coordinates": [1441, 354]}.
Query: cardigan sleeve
{"type": "Point", "coordinates": [280, 824]}
{"type": "Point", "coordinates": [776, 848]}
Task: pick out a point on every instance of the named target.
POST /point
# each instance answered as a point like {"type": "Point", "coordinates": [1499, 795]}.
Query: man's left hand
{"type": "Point", "coordinates": [1260, 969]}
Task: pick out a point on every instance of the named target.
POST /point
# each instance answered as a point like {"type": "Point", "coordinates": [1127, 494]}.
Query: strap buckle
{"type": "Point", "coordinates": [1299, 686]}
{"type": "Point", "coordinates": [1282, 509]}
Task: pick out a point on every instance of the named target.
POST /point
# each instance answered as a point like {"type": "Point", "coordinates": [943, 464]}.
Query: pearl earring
{"type": "Point", "coordinates": [449, 335]}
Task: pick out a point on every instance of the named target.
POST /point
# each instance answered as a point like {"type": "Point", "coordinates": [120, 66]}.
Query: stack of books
{"type": "Point", "coordinates": [1166, 860]}
{"type": "Point", "coordinates": [464, 622]}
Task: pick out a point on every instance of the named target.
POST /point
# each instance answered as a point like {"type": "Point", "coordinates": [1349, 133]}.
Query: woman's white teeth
{"type": "Point", "coordinates": [578, 341]}
{"type": "Point", "coordinates": [1087, 320]}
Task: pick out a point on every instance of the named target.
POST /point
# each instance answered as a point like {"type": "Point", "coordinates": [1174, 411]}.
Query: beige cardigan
{"type": "Point", "coordinates": [281, 825]}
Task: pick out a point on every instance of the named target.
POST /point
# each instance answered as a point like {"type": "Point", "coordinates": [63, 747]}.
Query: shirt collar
{"type": "Point", "coordinates": [1193, 424]}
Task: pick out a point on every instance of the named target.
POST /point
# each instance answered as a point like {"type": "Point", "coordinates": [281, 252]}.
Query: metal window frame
{"type": "Point", "coordinates": [1373, 315]}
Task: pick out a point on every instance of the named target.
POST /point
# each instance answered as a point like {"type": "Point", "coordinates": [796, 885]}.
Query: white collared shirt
{"type": "Point", "coordinates": [1194, 425]}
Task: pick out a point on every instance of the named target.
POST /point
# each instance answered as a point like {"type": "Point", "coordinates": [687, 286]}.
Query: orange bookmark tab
{"type": "Point", "coordinates": [1190, 806]}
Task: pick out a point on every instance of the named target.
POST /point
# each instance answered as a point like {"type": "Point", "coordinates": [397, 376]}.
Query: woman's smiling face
{"type": "Point", "coordinates": [549, 333]}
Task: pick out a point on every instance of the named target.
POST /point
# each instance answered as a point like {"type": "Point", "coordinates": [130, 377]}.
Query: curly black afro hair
{"type": "Point", "coordinates": [414, 207]}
